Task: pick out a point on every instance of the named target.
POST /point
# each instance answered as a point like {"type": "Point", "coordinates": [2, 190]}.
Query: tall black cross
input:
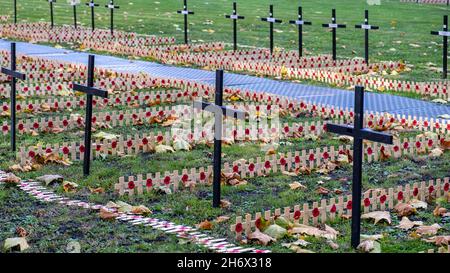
{"type": "Point", "coordinates": [111, 8]}
{"type": "Point", "coordinates": [185, 13]}
{"type": "Point", "coordinates": [299, 22]}
{"type": "Point", "coordinates": [92, 5]}
{"type": "Point", "coordinates": [272, 21]}
{"type": "Point", "coordinates": [334, 26]}
{"type": "Point", "coordinates": [51, 12]}
{"type": "Point", "coordinates": [15, 11]}
{"type": "Point", "coordinates": [219, 112]}
{"type": "Point", "coordinates": [90, 91]}
{"type": "Point", "coordinates": [444, 33]}
{"type": "Point", "coordinates": [74, 4]}
{"type": "Point", "coordinates": [235, 17]}
{"type": "Point", "coordinates": [366, 28]}
{"type": "Point", "coordinates": [359, 133]}
{"type": "Point", "coordinates": [14, 76]}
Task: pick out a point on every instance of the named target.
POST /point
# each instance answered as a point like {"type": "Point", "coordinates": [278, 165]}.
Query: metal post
{"type": "Point", "coordinates": [271, 29]}
{"type": "Point", "coordinates": [88, 120]}
{"type": "Point", "coordinates": [333, 21]}
{"type": "Point", "coordinates": [445, 55]}
{"type": "Point", "coordinates": [366, 34]}
{"type": "Point", "coordinates": [13, 98]}
{"type": "Point", "coordinates": [75, 16]}
{"type": "Point", "coordinates": [234, 27]}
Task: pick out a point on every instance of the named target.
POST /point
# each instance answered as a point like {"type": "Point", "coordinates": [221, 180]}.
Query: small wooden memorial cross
{"type": "Point", "coordinates": [14, 76]}
{"type": "Point", "coordinates": [74, 4]}
{"type": "Point", "coordinates": [334, 26]}
{"type": "Point", "coordinates": [366, 28]}
{"type": "Point", "coordinates": [51, 2]}
{"type": "Point", "coordinates": [219, 112]}
{"type": "Point", "coordinates": [90, 91]}
{"type": "Point", "coordinates": [272, 21]}
{"type": "Point", "coordinates": [299, 22]}
{"type": "Point", "coordinates": [235, 17]}
{"type": "Point", "coordinates": [359, 133]}
{"type": "Point", "coordinates": [445, 34]}
{"type": "Point", "coordinates": [92, 5]}
{"type": "Point", "coordinates": [112, 7]}
{"type": "Point", "coordinates": [185, 13]}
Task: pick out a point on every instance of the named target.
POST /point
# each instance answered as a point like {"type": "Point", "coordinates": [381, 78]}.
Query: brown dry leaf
{"type": "Point", "coordinates": [141, 210]}
{"type": "Point", "coordinates": [328, 233]}
{"type": "Point", "coordinates": [222, 219]}
{"type": "Point", "coordinates": [225, 203]}
{"type": "Point", "coordinates": [428, 230]}
{"type": "Point", "coordinates": [417, 204]}
{"type": "Point", "coordinates": [439, 211]}
{"type": "Point", "coordinates": [292, 174]}
{"type": "Point", "coordinates": [369, 246]}
{"type": "Point", "coordinates": [378, 216]}
{"type": "Point", "coordinates": [303, 170]}
{"type": "Point", "coordinates": [22, 232]}
{"type": "Point", "coordinates": [206, 225]}
{"type": "Point", "coordinates": [262, 238]}
{"type": "Point", "coordinates": [98, 190]}
{"type": "Point", "coordinates": [439, 240]}
{"type": "Point", "coordinates": [322, 191]}
{"type": "Point", "coordinates": [436, 152]}
{"type": "Point", "coordinates": [69, 186]}
{"type": "Point", "coordinates": [407, 224]}
{"type": "Point", "coordinates": [297, 185]}
{"type": "Point", "coordinates": [11, 179]}
{"type": "Point", "coordinates": [271, 151]}
{"type": "Point", "coordinates": [107, 215]}
{"type": "Point", "coordinates": [404, 209]}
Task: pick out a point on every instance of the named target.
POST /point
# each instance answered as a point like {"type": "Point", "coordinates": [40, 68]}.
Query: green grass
{"type": "Point", "coordinates": [409, 23]}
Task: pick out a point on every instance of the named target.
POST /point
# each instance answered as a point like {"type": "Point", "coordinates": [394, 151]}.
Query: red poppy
{"type": "Point", "coordinates": [333, 208]}
{"type": "Point", "coordinates": [315, 212]}
{"type": "Point", "coordinates": [297, 214]}
{"type": "Point", "coordinates": [149, 183]}
{"type": "Point", "coordinates": [131, 185]}
{"type": "Point", "coordinates": [349, 205]}
{"type": "Point", "coordinates": [167, 180]}
{"type": "Point", "coordinates": [238, 228]}
{"type": "Point", "coordinates": [383, 199]}
{"type": "Point", "coordinates": [366, 202]}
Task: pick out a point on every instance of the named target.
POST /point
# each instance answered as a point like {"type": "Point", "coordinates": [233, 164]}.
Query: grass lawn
{"type": "Point", "coordinates": [404, 34]}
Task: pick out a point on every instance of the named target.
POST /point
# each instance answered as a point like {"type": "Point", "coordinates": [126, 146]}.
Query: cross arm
{"type": "Point", "coordinates": [271, 20]}
{"type": "Point", "coordinates": [92, 4]}
{"type": "Point", "coordinates": [363, 133]}
{"type": "Point", "coordinates": [299, 22]}
{"type": "Point", "coordinates": [13, 74]}
{"type": "Point", "coordinates": [234, 17]}
{"type": "Point", "coordinates": [227, 112]}
{"type": "Point", "coordinates": [334, 25]}
{"type": "Point", "coordinates": [365, 26]}
{"type": "Point", "coordinates": [110, 6]}
{"type": "Point", "coordinates": [441, 33]}
{"type": "Point", "coordinates": [90, 90]}
{"type": "Point", "coordinates": [185, 12]}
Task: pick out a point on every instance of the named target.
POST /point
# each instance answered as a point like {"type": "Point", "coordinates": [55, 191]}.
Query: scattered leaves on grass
{"type": "Point", "coordinates": [232, 179]}
{"type": "Point", "coordinates": [17, 243]}
{"type": "Point", "coordinates": [297, 185]}
{"type": "Point", "coordinates": [261, 238]}
{"type": "Point", "coordinates": [378, 216]}
{"type": "Point", "coordinates": [327, 233]}
{"type": "Point", "coordinates": [439, 240]}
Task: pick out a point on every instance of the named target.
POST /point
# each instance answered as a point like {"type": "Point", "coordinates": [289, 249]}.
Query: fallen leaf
{"type": "Point", "coordinates": [98, 190]}
{"type": "Point", "coordinates": [18, 243]}
{"type": "Point", "coordinates": [207, 225]}
{"type": "Point", "coordinates": [369, 246]}
{"type": "Point", "coordinates": [378, 216]}
{"type": "Point", "coordinates": [262, 238]}
{"type": "Point", "coordinates": [297, 185]}
{"type": "Point", "coordinates": [160, 149]}
{"type": "Point", "coordinates": [22, 232]}
{"type": "Point", "coordinates": [275, 231]}
{"type": "Point", "coordinates": [222, 219]}
{"type": "Point", "coordinates": [107, 214]}
{"type": "Point", "coordinates": [407, 224]}
{"type": "Point", "coordinates": [50, 179]}
{"type": "Point", "coordinates": [439, 240]}
{"type": "Point", "coordinates": [428, 230]}
{"type": "Point", "coordinates": [10, 179]}
{"type": "Point", "coordinates": [225, 203]}
{"type": "Point", "coordinates": [328, 233]}
{"type": "Point", "coordinates": [69, 186]}
{"type": "Point", "coordinates": [439, 211]}
{"type": "Point", "coordinates": [181, 145]}
{"type": "Point", "coordinates": [106, 136]}
{"type": "Point", "coordinates": [141, 209]}
{"type": "Point", "coordinates": [404, 209]}
{"type": "Point", "coordinates": [322, 191]}
{"type": "Point", "coordinates": [417, 204]}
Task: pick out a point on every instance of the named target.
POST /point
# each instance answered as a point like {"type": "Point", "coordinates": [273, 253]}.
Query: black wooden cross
{"type": "Point", "coordinates": [185, 12]}
{"type": "Point", "coordinates": [14, 76]}
{"type": "Point", "coordinates": [299, 22]}
{"type": "Point", "coordinates": [272, 21]}
{"type": "Point", "coordinates": [51, 12]}
{"type": "Point", "coordinates": [112, 7]}
{"type": "Point", "coordinates": [359, 133]}
{"type": "Point", "coordinates": [90, 91]}
{"type": "Point", "coordinates": [366, 28]}
{"type": "Point", "coordinates": [219, 112]}
{"type": "Point", "coordinates": [15, 11]}
{"type": "Point", "coordinates": [74, 4]}
{"type": "Point", "coordinates": [92, 5]}
{"type": "Point", "coordinates": [444, 33]}
{"type": "Point", "coordinates": [334, 26]}
{"type": "Point", "coordinates": [235, 17]}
